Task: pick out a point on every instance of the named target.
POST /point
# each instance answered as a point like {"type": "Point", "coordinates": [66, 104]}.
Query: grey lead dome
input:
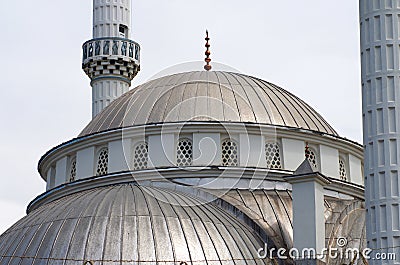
{"type": "Point", "coordinates": [129, 224]}
{"type": "Point", "coordinates": [208, 96]}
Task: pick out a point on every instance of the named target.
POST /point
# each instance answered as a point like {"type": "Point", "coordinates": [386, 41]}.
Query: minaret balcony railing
{"type": "Point", "coordinates": [110, 47]}
{"type": "Point", "coordinates": [105, 57]}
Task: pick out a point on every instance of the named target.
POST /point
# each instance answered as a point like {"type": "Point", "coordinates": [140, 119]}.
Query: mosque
{"type": "Point", "coordinates": [205, 167]}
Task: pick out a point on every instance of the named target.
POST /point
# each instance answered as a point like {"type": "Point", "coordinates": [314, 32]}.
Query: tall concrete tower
{"type": "Point", "coordinates": [110, 59]}
{"type": "Point", "coordinates": [380, 55]}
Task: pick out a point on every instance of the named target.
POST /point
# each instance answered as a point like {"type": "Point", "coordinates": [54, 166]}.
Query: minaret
{"type": "Point", "coordinates": [110, 59]}
{"type": "Point", "coordinates": [380, 57]}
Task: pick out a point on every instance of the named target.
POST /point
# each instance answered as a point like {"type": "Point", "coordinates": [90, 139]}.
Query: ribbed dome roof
{"type": "Point", "coordinates": [129, 224]}
{"type": "Point", "coordinates": [208, 96]}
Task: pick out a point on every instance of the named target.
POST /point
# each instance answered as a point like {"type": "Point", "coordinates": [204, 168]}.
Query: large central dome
{"type": "Point", "coordinates": [208, 96]}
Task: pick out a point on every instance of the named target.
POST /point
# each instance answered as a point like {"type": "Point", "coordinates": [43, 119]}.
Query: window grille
{"type": "Point", "coordinates": [140, 156]}
{"type": "Point", "coordinates": [229, 153]}
{"type": "Point", "coordinates": [72, 170]}
{"type": "Point", "coordinates": [312, 157]}
{"type": "Point", "coordinates": [184, 153]}
{"type": "Point", "coordinates": [273, 156]}
{"type": "Point", "coordinates": [102, 162]}
{"type": "Point", "coordinates": [342, 169]}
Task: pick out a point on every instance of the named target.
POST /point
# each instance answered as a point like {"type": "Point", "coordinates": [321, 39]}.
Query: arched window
{"type": "Point", "coordinates": [72, 170]}
{"type": "Point", "coordinates": [140, 156]}
{"type": "Point", "coordinates": [312, 156]}
{"type": "Point", "coordinates": [102, 162]}
{"type": "Point", "coordinates": [229, 153]}
{"type": "Point", "coordinates": [273, 155]}
{"type": "Point", "coordinates": [342, 169]}
{"type": "Point", "coordinates": [184, 153]}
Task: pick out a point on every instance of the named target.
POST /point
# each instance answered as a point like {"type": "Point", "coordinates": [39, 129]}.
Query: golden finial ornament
{"type": "Point", "coordinates": [207, 67]}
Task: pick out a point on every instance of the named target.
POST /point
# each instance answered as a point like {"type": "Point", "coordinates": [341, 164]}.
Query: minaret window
{"type": "Point", "coordinates": [102, 162]}
{"type": "Point", "coordinates": [273, 156]}
{"type": "Point", "coordinates": [229, 153]}
{"type": "Point", "coordinates": [342, 169]}
{"type": "Point", "coordinates": [72, 170]}
{"type": "Point", "coordinates": [140, 156]}
{"type": "Point", "coordinates": [184, 153]}
{"type": "Point", "coordinates": [123, 30]}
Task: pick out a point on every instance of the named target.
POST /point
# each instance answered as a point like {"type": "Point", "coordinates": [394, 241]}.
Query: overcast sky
{"type": "Point", "coordinates": [309, 47]}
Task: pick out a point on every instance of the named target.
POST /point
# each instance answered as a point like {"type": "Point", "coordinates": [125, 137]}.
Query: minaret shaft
{"type": "Point", "coordinates": [111, 18]}
{"type": "Point", "coordinates": [104, 91]}
{"type": "Point", "coordinates": [110, 59]}
{"type": "Point", "coordinates": [380, 56]}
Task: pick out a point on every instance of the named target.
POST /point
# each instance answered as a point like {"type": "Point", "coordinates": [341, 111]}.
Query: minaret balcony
{"type": "Point", "coordinates": [111, 56]}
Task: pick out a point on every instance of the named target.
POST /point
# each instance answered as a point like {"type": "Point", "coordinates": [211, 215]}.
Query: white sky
{"type": "Point", "coordinates": [309, 47]}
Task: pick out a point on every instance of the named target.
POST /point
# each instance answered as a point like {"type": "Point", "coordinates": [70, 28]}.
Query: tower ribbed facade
{"type": "Point", "coordinates": [111, 59]}
{"type": "Point", "coordinates": [380, 55]}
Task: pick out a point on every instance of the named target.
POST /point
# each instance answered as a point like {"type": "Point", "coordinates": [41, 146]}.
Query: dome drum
{"type": "Point", "coordinates": [155, 149]}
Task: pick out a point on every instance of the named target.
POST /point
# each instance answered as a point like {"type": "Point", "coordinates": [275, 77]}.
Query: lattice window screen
{"type": "Point", "coordinates": [72, 170]}
{"type": "Point", "coordinates": [273, 156]}
{"type": "Point", "coordinates": [140, 156]}
{"type": "Point", "coordinates": [102, 162]}
{"type": "Point", "coordinates": [184, 153]}
{"type": "Point", "coordinates": [312, 157]}
{"type": "Point", "coordinates": [342, 169]}
{"type": "Point", "coordinates": [229, 153]}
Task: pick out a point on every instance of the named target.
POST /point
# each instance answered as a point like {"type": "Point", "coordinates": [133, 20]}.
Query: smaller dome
{"type": "Point", "coordinates": [208, 96]}
{"type": "Point", "coordinates": [129, 224]}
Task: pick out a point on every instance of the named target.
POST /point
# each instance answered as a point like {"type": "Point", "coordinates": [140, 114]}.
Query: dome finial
{"type": "Point", "coordinates": [207, 67]}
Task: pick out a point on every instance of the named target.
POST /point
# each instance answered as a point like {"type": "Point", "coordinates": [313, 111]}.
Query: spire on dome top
{"type": "Point", "coordinates": [207, 67]}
